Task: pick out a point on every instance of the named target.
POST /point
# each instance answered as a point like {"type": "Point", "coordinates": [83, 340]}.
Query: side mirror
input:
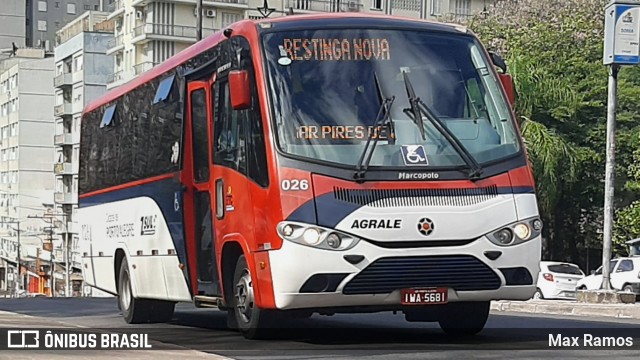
{"type": "Point", "coordinates": [507, 84]}
{"type": "Point", "coordinates": [499, 62]}
{"type": "Point", "coordinates": [239, 89]}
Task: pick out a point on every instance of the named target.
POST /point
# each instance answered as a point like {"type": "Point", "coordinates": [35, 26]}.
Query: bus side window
{"type": "Point", "coordinates": [229, 132]}
{"type": "Point", "coordinates": [257, 157]}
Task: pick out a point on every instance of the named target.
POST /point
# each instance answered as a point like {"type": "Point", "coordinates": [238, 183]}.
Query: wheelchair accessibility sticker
{"type": "Point", "coordinates": [414, 155]}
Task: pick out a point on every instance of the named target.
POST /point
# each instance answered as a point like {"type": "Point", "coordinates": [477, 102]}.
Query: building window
{"type": "Point", "coordinates": [57, 4]}
{"type": "Point", "coordinates": [229, 18]}
{"type": "Point", "coordinates": [71, 8]}
{"type": "Point", "coordinates": [436, 7]}
{"type": "Point", "coordinates": [77, 63]}
{"type": "Point", "coordinates": [42, 6]}
{"type": "Point", "coordinates": [376, 4]}
{"type": "Point", "coordinates": [463, 7]}
{"type": "Point", "coordinates": [42, 25]}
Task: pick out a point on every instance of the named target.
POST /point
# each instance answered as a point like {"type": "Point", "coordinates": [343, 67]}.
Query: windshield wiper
{"type": "Point", "coordinates": [415, 112]}
{"type": "Point", "coordinates": [381, 120]}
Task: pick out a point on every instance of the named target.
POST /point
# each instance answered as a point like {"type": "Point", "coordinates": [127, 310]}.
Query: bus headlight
{"type": "Point", "coordinates": [517, 232]}
{"type": "Point", "coordinates": [316, 236]}
{"type": "Point", "coordinates": [311, 236]}
{"type": "Point", "coordinates": [522, 231]}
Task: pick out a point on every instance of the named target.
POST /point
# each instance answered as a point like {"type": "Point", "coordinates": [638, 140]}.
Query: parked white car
{"type": "Point", "coordinates": [624, 276]}
{"type": "Point", "coordinates": [558, 280]}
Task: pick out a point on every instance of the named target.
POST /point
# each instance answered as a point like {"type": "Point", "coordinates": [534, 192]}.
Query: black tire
{"type": "Point", "coordinates": [134, 311]}
{"type": "Point", "coordinates": [538, 295]}
{"type": "Point", "coordinates": [465, 318]}
{"type": "Point", "coordinates": [161, 311]}
{"type": "Point", "coordinates": [627, 288]}
{"type": "Point", "coordinates": [253, 323]}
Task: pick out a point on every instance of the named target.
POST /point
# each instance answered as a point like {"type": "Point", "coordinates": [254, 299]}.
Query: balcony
{"type": "Point", "coordinates": [65, 197]}
{"type": "Point", "coordinates": [115, 45]}
{"type": "Point", "coordinates": [234, 4]}
{"type": "Point", "coordinates": [324, 5]}
{"type": "Point", "coordinates": [63, 109]}
{"type": "Point", "coordinates": [115, 9]}
{"type": "Point", "coordinates": [165, 32]}
{"type": "Point", "coordinates": [63, 168]}
{"type": "Point", "coordinates": [118, 78]}
{"type": "Point", "coordinates": [143, 67]}
{"type": "Point", "coordinates": [63, 139]}
{"type": "Point", "coordinates": [63, 80]}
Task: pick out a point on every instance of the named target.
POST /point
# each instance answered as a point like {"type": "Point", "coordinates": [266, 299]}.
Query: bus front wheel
{"type": "Point", "coordinates": [465, 318]}
{"type": "Point", "coordinates": [251, 321]}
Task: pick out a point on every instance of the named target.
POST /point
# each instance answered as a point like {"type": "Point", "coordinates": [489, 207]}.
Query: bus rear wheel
{"type": "Point", "coordinates": [465, 318]}
{"type": "Point", "coordinates": [252, 322]}
{"type": "Point", "coordinates": [135, 310]}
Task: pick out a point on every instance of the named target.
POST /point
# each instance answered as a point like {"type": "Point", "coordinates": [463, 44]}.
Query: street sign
{"type": "Point", "coordinates": [622, 33]}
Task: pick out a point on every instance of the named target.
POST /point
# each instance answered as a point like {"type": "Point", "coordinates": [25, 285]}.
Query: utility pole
{"type": "Point", "coordinates": [199, 20]}
{"type": "Point", "coordinates": [609, 176]}
{"type": "Point", "coordinates": [19, 281]}
{"type": "Point", "coordinates": [621, 47]}
{"type": "Point", "coordinates": [65, 243]}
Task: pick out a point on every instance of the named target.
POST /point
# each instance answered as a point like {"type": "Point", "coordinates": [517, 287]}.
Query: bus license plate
{"type": "Point", "coordinates": [424, 296]}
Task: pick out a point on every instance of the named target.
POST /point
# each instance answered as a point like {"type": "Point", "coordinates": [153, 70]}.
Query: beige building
{"type": "Point", "coordinates": [26, 161]}
{"type": "Point", "coordinates": [148, 32]}
{"type": "Point", "coordinates": [82, 69]}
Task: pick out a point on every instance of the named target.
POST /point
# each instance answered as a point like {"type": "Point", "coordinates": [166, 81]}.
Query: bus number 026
{"type": "Point", "coordinates": [295, 185]}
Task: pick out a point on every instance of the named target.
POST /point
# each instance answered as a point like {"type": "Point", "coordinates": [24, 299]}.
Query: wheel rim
{"type": "Point", "coordinates": [244, 296]}
{"type": "Point", "coordinates": [125, 291]}
{"type": "Point", "coordinates": [537, 295]}
{"type": "Point", "coordinates": [627, 289]}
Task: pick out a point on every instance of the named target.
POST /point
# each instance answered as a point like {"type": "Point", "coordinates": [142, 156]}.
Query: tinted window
{"type": "Point", "coordinates": [140, 141]}
{"type": "Point", "coordinates": [325, 95]}
{"type": "Point", "coordinates": [200, 135]}
{"type": "Point", "coordinates": [625, 265]}
{"type": "Point", "coordinates": [229, 132]}
{"type": "Point", "coordinates": [164, 89]}
{"type": "Point", "coordinates": [565, 269]}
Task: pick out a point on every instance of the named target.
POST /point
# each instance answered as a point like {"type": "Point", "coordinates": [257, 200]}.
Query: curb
{"type": "Point", "coordinates": [550, 307]}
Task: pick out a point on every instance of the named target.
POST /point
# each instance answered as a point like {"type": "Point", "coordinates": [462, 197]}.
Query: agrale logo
{"type": "Point", "coordinates": [425, 226]}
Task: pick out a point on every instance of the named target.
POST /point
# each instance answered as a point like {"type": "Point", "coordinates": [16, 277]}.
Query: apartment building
{"type": "Point", "coordinates": [26, 163]}
{"type": "Point", "coordinates": [449, 10]}
{"type": "Point", "coordinates": [45, 17]}
{"type": "Point", "coordinates": [149, 31]}
{"type": "Point", "coordinates": [82, 69]}
{"type": "Point", "coordinates": [12, 26]}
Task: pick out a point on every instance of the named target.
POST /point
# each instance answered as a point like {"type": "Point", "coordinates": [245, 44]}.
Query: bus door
{"type": "Point", "coordinates": [198, 216]}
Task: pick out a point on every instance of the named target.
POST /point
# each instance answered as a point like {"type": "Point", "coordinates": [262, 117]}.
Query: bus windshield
{"type": "Point", "coordinates": [326, 98]}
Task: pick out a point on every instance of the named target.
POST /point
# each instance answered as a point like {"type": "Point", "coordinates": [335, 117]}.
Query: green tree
{"type": "Point", "coordinates": [554, 51]}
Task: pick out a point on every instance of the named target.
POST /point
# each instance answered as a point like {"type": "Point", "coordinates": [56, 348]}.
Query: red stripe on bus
{"type": "Point", "coordinates": [128, 185]}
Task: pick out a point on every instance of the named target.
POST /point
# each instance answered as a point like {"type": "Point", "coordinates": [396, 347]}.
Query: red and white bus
{"type": "Point", "coordinates": [312, 164]}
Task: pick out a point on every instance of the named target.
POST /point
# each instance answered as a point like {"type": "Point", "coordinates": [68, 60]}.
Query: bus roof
{"type": "Point", "coordinates": [213, 39]}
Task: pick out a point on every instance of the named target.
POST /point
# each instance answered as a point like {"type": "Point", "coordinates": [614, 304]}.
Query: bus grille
{"type": "Point", "coordinates": [460, 272]}
{"type": "Point", "coordinates": [416, 197]}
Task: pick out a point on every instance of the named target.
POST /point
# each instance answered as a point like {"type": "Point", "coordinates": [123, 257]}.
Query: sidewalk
{"type": "Point", "coordinates": [161, 351]}
{"type": "Point", "coordinates": [560, 307]}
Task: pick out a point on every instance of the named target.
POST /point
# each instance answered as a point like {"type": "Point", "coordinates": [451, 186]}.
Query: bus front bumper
{"type": "Point", "coordinates": [309, 278]}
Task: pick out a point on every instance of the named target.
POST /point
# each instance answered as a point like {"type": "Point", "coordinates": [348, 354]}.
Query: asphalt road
{"type": "Point", "coordinates": [374, 336]}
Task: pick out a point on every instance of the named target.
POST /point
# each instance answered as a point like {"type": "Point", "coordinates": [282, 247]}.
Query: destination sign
{"type": "Point", "coordinates": [321, 49]}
